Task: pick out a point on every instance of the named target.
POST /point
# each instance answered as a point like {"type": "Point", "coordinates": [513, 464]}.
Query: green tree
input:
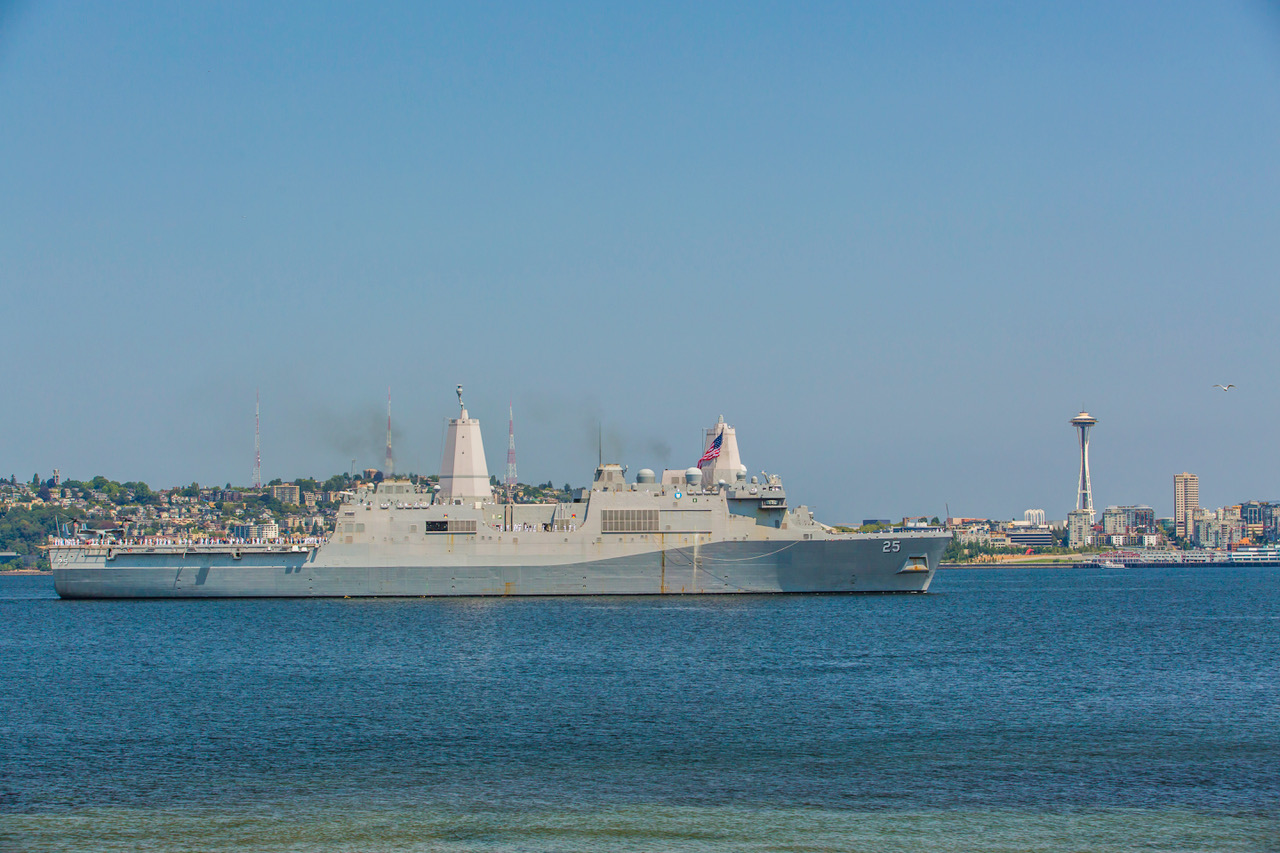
{"type": "Point", "coordinates": [142, 493]}
{"type": "Point", "coordinates": [25, 530]}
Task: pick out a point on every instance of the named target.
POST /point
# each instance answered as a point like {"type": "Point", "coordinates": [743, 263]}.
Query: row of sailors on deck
{"type": "Point", "coordinates": [157, 540]}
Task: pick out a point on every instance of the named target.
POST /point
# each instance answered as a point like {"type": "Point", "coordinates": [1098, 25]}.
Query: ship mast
{"type": "Point", "coordinates": [511, 453]}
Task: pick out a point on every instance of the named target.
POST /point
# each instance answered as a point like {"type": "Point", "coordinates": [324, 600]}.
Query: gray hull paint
{"type": "Point", "coordinates": [619, 539]}
{"type": "Point", "coordinates": [845, 565]}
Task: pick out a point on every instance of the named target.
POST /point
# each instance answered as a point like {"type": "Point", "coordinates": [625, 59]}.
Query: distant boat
{"type": "Point", "coordinates": [1110, 564]}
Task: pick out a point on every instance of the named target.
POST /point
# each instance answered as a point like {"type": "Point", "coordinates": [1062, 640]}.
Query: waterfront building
{"type": "Point", "coordinates": [1113, 521]}
{"type": "Point", "coordinates": [1030, 535]}
{"type": "Point", "coordinates": [1186, 500]}
{"type": "Point", "coordinates": [1218, 529]}
{"type": "Point", "coordinates": [1079, 528]}
{"type": "Point", "coordinates": [1128, 520]}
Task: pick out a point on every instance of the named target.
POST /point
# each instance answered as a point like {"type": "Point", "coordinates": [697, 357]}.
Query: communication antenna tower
{"type": "Point", "coordinates": [391, 465]}
{"type": "Point", "coordinates": [257, 440]}
{"type": "Point", "coordinates": [511, 451]}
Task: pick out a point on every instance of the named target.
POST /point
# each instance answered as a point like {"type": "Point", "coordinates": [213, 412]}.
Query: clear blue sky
{"type": "Point", "coordinates": [897, 245]}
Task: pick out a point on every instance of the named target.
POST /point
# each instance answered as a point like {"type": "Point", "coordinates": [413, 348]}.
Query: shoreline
{"type": "Point", "coordinates": [1017, 565]}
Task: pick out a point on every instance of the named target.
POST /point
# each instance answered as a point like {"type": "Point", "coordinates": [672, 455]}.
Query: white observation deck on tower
{"type": "Point", "coordinates": [464, 475]}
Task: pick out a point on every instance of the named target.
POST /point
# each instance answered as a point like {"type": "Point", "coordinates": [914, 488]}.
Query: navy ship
{"type": "Point", "coordinates": [709, 529]}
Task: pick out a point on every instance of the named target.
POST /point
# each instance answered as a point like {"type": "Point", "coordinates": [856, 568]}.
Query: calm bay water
{"type": "Point", "coordinates": [1031, 709]}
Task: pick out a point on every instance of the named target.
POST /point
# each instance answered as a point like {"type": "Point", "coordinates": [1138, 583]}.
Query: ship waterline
{"type": "Point", "coordinates": [799, 566]}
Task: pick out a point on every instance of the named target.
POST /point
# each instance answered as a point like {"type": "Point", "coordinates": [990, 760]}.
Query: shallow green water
{"type": "Point", "coordinates": [638, 828]}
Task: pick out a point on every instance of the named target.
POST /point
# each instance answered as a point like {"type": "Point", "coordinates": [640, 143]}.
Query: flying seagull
{"type": "Point", "coordinates": [1224, 387]}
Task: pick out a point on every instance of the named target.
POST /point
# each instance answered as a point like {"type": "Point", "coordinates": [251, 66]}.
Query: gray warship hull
{"type": "Point", "coordinates": [731, 535]}
{"type": "Point", "coordinates": [900, 563]}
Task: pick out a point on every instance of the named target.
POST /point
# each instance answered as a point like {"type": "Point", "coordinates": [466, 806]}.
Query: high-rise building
{"type": "Point", "coordinates": [1186, 500]}
{"type": "Point", "coordinates": [1079, 528]}
{"type": "Point", "coordinates": [1083, 422]}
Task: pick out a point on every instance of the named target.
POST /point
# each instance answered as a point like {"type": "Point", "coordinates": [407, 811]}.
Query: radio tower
{"type": "Point", "coordinates": [257, 441]}
{"type": "Point", "coordinates": [391, 465]}
{"type": "Point", "coordinates": [511, 453]}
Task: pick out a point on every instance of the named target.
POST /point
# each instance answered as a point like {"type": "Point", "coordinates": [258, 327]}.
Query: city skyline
{"type": "Point", "coordinates": [1185, 493]}
{"type": "Point", "coordinates": [891, 243]}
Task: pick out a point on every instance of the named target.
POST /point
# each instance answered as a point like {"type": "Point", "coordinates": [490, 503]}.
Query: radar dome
{"type": "Point", "coordinates": [693, 476]}
{"type": "Point", "coordinates": [645, 475]}
{"type": "Point", "coordinates": [741, 474]}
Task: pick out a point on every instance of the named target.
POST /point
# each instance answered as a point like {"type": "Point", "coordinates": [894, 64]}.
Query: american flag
{"type": "Point", "coordinates": [713, 451]}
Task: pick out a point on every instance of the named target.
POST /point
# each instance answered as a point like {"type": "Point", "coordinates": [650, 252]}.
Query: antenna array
{"type": "Point", "coordinates": [511, 449]}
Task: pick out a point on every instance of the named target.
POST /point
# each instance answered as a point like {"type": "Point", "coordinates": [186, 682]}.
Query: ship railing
{"type": "Point", "coordinates": [167, 543]}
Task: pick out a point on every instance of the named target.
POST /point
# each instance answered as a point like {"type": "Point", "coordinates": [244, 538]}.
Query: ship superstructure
{"type": "Point", "coordinates": [686, 533]}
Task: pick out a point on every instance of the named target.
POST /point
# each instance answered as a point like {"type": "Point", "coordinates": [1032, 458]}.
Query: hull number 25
{"type": "Point", "coordinates": [890, 546]}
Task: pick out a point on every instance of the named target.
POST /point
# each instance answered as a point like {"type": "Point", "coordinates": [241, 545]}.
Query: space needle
{"type": "Point", "coordinates": [1084, 499]}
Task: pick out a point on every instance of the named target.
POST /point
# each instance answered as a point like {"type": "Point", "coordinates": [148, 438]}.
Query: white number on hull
{"type": "Point", "coordinates": [890, 546]}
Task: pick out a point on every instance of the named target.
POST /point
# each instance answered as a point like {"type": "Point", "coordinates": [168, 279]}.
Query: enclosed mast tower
{"type": "Point", "coordinates": [1083, 422]}
{"type": "Point", "coordinates": [726, 463]}
{"type": "Point", "coordinates": [464, 476]}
